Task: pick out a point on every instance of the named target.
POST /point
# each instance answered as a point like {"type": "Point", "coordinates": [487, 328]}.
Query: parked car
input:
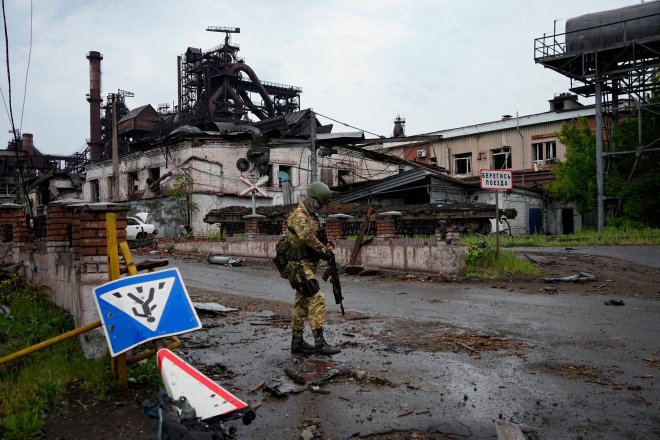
{"type": "Point", "coordinates": [139, 228]}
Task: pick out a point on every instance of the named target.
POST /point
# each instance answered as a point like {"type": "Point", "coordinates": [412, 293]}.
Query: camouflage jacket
{"type": "Point", "coordinates": [302, 227]}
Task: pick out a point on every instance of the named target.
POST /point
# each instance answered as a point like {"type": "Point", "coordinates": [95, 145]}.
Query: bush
{"type": "Point", "coordinates": [484, 263]}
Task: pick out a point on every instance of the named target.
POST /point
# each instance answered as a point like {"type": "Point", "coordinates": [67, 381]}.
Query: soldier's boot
{"type": "Point", "coordinates": [299, 345]}
{"type": "Point", "coordinates": [321, 346]}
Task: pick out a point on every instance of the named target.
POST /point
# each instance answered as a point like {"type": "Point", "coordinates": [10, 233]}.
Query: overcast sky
{"type": "Point", "coordinates": [438, 63]}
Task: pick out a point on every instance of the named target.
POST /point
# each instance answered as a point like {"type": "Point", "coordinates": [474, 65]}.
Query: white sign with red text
{"type": "Point", "coordinates": [500, 180]}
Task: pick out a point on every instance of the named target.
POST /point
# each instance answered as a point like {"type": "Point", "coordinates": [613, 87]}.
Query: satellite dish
{"type": "Point", "coordinates": [242, 165]}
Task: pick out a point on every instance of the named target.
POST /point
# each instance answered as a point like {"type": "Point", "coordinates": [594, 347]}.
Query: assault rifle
{"type": "Point", "coordinates": [332, 273]}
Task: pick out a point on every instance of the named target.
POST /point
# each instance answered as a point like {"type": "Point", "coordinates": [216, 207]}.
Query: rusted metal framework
{"type": "Point", "coordinates": [217, 85]}
{"type": "Point", "coordinates": [608, 55]}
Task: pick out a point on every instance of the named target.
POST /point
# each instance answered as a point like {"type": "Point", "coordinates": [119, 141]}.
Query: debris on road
{"type": "Point", "coordinates": [224, 260]}
{"type": "Point", "coordinates": [309, 374]}
{"type": "Point", "coordinates": [577, 278]}
{"type": "Point", "coordinates": [210, 308]}
{"type": "Point", "coordinates": [614, 302]}
{"type": "Point", "coordinates": [508, 431]}
{"type": "Point", "coordinates": [362, 376]}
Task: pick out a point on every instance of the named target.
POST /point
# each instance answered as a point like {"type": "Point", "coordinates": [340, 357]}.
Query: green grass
{"type": "Point", "coordinates": [609, 236]}
{"type": "Point", "coordinates": [484, 264]}
{"type": "Point", "coordinates": [33, 384]}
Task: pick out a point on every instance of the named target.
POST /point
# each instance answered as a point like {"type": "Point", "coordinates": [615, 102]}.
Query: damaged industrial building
{"type": "Point", "coordinates": [190, 164]}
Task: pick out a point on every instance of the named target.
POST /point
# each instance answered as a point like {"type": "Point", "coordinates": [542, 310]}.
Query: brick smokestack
{"type": "Point", "coordinates": [94, 99]}
{"type": "Point", "coordinates": [27, 144]}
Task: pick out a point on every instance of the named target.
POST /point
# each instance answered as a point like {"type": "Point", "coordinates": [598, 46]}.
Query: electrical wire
{"type": "Point", "coordinates": [27, 70]}
{"type": "Point", "coordinates": [19, 166]}
{"type": "Point", "coordinates": [348, 125]}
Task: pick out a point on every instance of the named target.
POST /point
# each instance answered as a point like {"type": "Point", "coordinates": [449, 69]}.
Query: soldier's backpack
{"type": "Point", "coordinates": [282, 255]}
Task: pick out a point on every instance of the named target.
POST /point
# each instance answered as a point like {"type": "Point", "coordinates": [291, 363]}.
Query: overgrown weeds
{"type": "Point", "coordinates": [609, 236]}
{"type": "Point", "coordinates": [31, 385]}
{"type": "Point", "coordinates": [484, 263]}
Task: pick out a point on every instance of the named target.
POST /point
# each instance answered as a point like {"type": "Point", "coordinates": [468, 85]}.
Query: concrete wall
{"type": "Point", "coordinates": [431, 255]}
{"type": "Point", "coordinates": [398, 255]}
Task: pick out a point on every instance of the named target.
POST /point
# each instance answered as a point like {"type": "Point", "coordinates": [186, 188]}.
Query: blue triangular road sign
{"type": "Point", "coordinates": [141, 308]}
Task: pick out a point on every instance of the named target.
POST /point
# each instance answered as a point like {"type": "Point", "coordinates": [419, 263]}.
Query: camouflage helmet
{"type": "Point", "coordinates": [320, 192]}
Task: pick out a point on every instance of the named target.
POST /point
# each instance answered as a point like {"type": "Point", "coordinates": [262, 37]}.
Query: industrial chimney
{"type": "Point", "coordinates": [399, 127]}
{"type": "Point", "coordinates": [94, 99]}
{"type": "Point", "coordinates": [27, 144]}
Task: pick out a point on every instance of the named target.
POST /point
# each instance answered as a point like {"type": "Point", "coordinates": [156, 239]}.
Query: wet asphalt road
{"type": "Point", "coordinates": [458, 394]}
{"type": "Point", "coordinates": [640, 255]}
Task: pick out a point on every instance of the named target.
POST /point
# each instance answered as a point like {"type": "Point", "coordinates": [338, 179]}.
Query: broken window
{"type": "Point", "coordinates": [544, 153]}
{"type": "Point", "coordinates": [132, 182]}
{"type": "Point", "coordinates": [111, 188]}
{"type": "Point", "coordinates": [344, 177]}
{"type": "Point", "coordinates": [463, 163]}
{"type": "Point", "coordinates": [500, 158]}
{"type": "Point", "coordinates": [537, 154]}
{"type": "Point", "coordinates": [94, 189]}
{"type": "Point", "coordinates": [154, 175]}
{"type": "Point", "coordinates": [551, 152]}
{"type": "Point", "coordinates": [284, 174]}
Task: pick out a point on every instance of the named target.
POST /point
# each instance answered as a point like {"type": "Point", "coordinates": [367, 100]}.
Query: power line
{"type": "Point", "coordinates": [19, 165]}
{"type": "Point", "coordinates": [348, 125]}
{"type": "Point", "coordinates": [27, 71]}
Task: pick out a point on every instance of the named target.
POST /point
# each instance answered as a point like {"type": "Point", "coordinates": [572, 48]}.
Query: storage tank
{"type": "Point", "coordinates": [606, 29]}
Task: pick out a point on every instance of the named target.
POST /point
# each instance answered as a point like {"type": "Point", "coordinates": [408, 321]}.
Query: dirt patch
{"type": "Point", "coordinates": [614, 278]}
{"type": "Point", "coordinates": [405, 435]}
{"type": "Point", "coordinates": [80, 416]}
{"type": "Point", "coordinates": [434, 337]}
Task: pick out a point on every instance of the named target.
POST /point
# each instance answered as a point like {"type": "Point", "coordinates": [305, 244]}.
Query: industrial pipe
{"type": "Point", "coordinates": [49, 342]}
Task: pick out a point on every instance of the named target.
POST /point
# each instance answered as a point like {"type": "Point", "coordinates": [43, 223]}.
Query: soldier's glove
{"type": "Point", "coordinates": [326, 255]}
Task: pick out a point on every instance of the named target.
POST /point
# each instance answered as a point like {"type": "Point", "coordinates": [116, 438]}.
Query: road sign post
{"type": "Point", "coordinates": [496, 180]}
{"type": "Point", "coordinates": [254, 187]}
{"type": "Point", "coordinates": [145, 307]}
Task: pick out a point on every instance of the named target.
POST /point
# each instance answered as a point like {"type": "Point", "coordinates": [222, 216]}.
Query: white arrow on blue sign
{"type": "Point", "coordinates": [141, 308]}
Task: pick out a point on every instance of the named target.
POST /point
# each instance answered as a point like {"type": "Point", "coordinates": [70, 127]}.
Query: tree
{"type": "Point", "coordinates": [576, 176]}
{"type": "Point", "coordinates": [181, 192]}
{"type": "Point", "coordinates": [632, 182]}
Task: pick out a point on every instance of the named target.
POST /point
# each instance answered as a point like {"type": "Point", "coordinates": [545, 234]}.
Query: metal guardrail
{"type": "Point", "coordinates": [270, 227]}
{"type": "Point", "coordinates": [415, 227]}
{"type": "Point", "coordinates": [353, 228]}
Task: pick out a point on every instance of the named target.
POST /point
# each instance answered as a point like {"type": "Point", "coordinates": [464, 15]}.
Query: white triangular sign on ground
{"type": "Point", "coordinates": [182, 379]}
{"type": "Point", "coordinates": [143, 302]}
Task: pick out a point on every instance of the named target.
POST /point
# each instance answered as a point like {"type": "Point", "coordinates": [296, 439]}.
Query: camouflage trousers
{"type": "Point", "coordinates": [312, 308]}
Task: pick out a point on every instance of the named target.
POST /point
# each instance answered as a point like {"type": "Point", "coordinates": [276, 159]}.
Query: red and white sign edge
{"type": "Point", "coordinates": [182, 379]}
{"type": "Point", "coordinates": [509, 173]}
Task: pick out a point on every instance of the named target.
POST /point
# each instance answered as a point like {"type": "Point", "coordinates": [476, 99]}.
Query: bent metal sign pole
{"type": "Point", "coordinates": [496, 180]}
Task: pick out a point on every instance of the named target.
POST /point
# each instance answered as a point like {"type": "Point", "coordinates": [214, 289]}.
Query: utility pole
{"type": "Point", "coordinates": [312, 146]}
{"type": "Point", "coordinates": [600, 184]}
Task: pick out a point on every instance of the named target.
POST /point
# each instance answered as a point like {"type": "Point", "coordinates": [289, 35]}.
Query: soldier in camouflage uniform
{"type": "Point", "coordinates": [302, 227]}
